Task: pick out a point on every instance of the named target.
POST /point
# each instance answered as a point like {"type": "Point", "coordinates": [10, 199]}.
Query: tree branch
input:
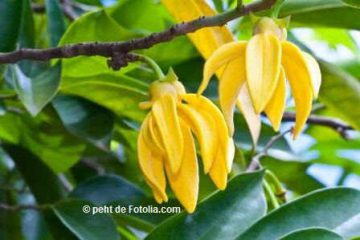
{"type": "Point", "coordinates": [122, 48]}
{"type": "Point", "coordinates": [6, 207]}
{"type": "Point", "coordinates": [255, 160]}
{"type": "Point", "coordinates": [335, 124]}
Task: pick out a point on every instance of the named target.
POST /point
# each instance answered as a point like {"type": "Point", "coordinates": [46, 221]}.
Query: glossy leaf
{"type": "Point", "coordinates": [324, 13]}
{"type": "Point", "coordinates": [36, 92]}
{"type": "Point", "coordinates": [341, 93]}
{"type": "Point", "coordinates": [344, 203]}
{"type": "Point", "coordinates": [105, 189]}
{"type": "Point", "coordinates": [85, 119]}
{"type": "Point", "coordinates": [225, 208]}
{"type": "Point", "coordinates": [353, 3]}
{"type": "Point", "coordinates": [85, 226]}
{"type": "Point", "coordinates": [312, 234]}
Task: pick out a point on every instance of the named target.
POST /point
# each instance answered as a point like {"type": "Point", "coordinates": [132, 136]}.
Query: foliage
{"type": "Point", "coordinates": [68, 130]}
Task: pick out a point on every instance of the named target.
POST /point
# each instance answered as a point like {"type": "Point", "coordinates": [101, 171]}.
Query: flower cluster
{"type": "Point", "coordinates": [254, 75]}
{"type": "Point", "coordinates": [166, 144]}
{"type": "Point", "coordinates": [262, 65]}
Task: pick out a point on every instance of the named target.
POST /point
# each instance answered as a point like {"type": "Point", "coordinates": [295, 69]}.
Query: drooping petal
{"type": "Point", "coordinates": [218, 172]}
{"type": "Point", "coordinates": [263, 58]}
{"type": "Point", "coordinates": [151, 166]}
{"type": "Point", "coordinates": [223, 55]}
{"type": "Point", "coordinates": [297, 73]}
{"type": "Point", "coordinates": [166, 118]}
{"type": "Point", "coordinates": [315, 73]}
{"type": "Point", "coordinates": [185, 184]}
{"type": "Point", "coordinates": [252, 119]}
{"type": "Point", "coordinates": [155, 135]}
{"type": "Point", "coordinates": [205, 130]}
{"type": "Point", "coordinates": [230, 154]}
{"type": "Point", "coordinates": [231, 81]}
{"type": "Point", "coordinates": [206, 40]}
{"type": "Point", "coordinates": [148, 137]}
{"type": "Point", "coordinates": [276, 106]}
{"type": "Point", "coordinates": [204, 105]}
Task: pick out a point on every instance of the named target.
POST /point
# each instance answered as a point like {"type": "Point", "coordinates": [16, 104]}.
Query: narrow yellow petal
{"type": "Point", "coordinates": [230, 154]}
{"type": "Point", "coordinates": [296, 71]}
{"type": "Point", "coordinates": [166, 118]}
{"type": "Point", "coordinates": [148, 137]}
{"type": "Point", "coordinates": [223, 55]}
{"type": "Point", "coordinates": [315, 73]}
{"type": "Point", "coordinates": [231, 81]}
{"type": "Point", "coordinates": [155, 136]}
{"type": "Point", "coordinates": [206, 40]}
{"type": "Point", "coordinates": [252, 119]}
{"type": "Point", "coordinates": [151, 166]}
{"type": "Point", "coordinates": [158, 196]}
{"type": "Point", "coordinates": [185, 184]}
{"type": "Point", "coordinates": [276, 106]}
{"type": "Point", "coordinates": [205, 130]}
{"type": "Point", "coordinates": [218, 172]}
{"type": "Point", "coordinates": [204, 105]}
{"type": "Point", "coordinates": [263, 57]}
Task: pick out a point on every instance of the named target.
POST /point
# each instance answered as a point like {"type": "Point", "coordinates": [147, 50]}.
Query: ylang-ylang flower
{"type": "Point", "coordinates": [264, 63]}
{"type": "Point", "coordinates": [166, 146]}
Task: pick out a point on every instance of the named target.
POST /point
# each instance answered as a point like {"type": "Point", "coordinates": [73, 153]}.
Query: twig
{"type": "Point", "coordinates": [68, 10]}
{"type": "Point", "coordinates": [66, 6]}
{"type": "Point", "coordinates": [335, 124]}
{"type": "Point", "coordinates": [255, 161]}
{"type": "Point", "coordinates": [120, 48]}
{"type": "Point", "coordinates": [6, 207]}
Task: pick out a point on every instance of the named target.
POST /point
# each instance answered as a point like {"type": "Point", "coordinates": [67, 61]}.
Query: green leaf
{"type": "Point", "coordinates": [312, 234]}
{"type": "Point", "coordinates": [327, 208]}
{"type": "Point", "coordinates": [225, 214]}
{"type": "Point", "coordinates": [10, 19]}
{"type": "Point", "coordinates": [105, 189]}
{"type": "Point", "coordinates": [353, 3]}
{"type": "Point", "coordinates": [321, 13]}
{"type": "Point", "coordinates": [341, 93]}
{"type": "Point", "coordinates": [85, 226]}
{"type": "Point", "coordinates": [56, 24]}
{"type": "Point", "coordinates": [91, 78]}
{"type": "Point", "coordinates": [350, 228]}
{"type": "Point", "coordinates": [85, 119]}
{"type": "Point", "coordinates": [36, 92]}
{"type": "Point", "coordinates": [119, 98]}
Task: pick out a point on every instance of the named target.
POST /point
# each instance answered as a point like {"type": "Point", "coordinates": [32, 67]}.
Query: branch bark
{"type": "Point", "coordinates": [122, 48]}
{"type": "Point", "coordinates": [335, 124]}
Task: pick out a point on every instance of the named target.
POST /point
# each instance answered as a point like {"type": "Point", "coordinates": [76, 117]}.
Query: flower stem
{"type": "Point", "coordinates": [276, 8]}
{"type": "Point", "coordinates": [279, 190]}
{"type": "Point", "coordinates": [271, 194]}
{"type": "Point", "coordinates": [152, 64]}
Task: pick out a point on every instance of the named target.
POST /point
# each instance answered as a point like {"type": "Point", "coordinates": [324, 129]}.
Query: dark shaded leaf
{"type": "Point", "coordinates": [316, 209]}
{"type": "Point", "coordinates": [85, 226]}
{"type": "Point", "coordinates": [225, 214]}
{"type": "Point", "coordinates": [85, 119]}
{"type": "Point", "coordinates": [312, 234]}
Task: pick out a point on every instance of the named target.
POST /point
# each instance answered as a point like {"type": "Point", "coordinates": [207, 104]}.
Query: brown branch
{"type": "Point", "coordinates": [335, 124]}
{"type": "Point", "coordinates": [6, 207]}
{"type": "Point", "coordinates": [121, 48]}
{"type": "Point", "coordinates": [255, 160]}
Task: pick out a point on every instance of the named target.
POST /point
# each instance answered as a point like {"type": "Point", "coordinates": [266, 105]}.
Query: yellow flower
{"type": "Point", "coordinates": [265, 62]}
{"type": "Point", "coordinates": [166, 144]}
